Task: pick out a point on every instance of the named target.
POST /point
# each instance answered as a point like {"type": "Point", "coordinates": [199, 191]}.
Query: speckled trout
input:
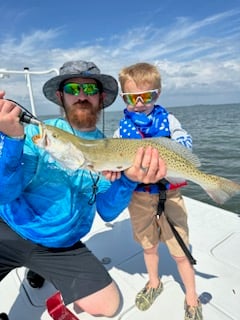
{"type": "Point", "coordinates": [118, 154]}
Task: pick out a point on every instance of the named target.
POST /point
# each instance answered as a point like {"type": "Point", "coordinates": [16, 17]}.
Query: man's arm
{"type": "Point", "coordinates": [147, 168]}
{"type": "Point", "coordinates": [11, 150]}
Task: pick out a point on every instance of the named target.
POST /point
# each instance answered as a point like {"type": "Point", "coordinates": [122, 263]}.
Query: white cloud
{"type": "Point", "coordinates": [199, 60]}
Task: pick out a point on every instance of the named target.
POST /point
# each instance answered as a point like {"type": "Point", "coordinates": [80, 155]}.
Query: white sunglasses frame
{"type": "Point", "coordinates": [122, 94]}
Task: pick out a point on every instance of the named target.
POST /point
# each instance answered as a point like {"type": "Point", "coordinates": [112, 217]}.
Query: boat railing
{"type": "Point", "coordinates": [4, 73]}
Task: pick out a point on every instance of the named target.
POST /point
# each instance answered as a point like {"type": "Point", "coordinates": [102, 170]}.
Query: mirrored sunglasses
{"type": "Point", "coordinates": [90, 89]}
{"type": "Point", "coordinates": [145, 97]}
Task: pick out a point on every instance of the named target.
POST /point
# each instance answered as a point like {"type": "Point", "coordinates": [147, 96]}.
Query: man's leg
{"type": "Point", "coordinates": [104, 302]}
{"type": "Point", "coordinates": [79, 276]}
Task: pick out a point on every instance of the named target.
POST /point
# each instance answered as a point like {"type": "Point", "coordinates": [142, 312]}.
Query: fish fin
{"type": "Point", "coordinates": [222, 190]}
{"type": "Point", "coordinates": [178, 148]}
{"type": "Point", "coordinates": [175, 180]}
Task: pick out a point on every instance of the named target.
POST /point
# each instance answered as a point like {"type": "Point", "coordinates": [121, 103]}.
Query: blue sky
{"type": "Point", "coordinates": [196, 44]}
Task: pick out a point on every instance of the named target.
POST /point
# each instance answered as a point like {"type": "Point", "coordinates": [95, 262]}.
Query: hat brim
{"type": "Point", "coordinates": [109, 86]}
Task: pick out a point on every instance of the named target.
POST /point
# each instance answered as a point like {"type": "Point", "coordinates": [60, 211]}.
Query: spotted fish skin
{"type": "Point", "coordinates": [118, 154]}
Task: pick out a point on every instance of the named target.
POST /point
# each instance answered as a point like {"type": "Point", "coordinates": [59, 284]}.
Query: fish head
{"type": "Point", "coordinates": [58, 144]}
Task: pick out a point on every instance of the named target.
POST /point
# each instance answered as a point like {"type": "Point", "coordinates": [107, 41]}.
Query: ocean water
{"type": "Point", "coordinates": [215, 130]}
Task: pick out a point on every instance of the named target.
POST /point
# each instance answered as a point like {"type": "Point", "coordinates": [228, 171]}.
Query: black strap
{"type": "Point", "coordinates": [182, 244]}
{"type": "Point", "coordinates": [162, 197]}
{"type": "Point", "coordinates": [160, 210]}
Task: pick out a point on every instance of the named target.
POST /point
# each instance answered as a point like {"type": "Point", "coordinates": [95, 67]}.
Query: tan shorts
{"type": "Point", "coordinates": [148, 230]}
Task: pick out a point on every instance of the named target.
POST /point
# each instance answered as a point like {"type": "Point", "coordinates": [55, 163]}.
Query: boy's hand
{"type": "Point", "coordinates": [147, 167]}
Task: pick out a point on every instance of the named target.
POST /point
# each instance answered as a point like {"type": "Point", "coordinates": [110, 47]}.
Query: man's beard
{"type": "Point", "coordinates": [83, 115]}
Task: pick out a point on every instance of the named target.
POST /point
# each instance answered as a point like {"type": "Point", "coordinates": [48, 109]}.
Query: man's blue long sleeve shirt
{"type": "Point", "coordinates": [48, 204]}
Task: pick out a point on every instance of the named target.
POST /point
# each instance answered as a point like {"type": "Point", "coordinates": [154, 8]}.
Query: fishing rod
{"type": "Point", "coordinates": [26, 116]}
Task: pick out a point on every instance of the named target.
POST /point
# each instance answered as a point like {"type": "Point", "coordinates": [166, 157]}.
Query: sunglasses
{"type": "Point", "coordinates": [145, 97]}
{"type": "Point", "coordinates": [89, 89]}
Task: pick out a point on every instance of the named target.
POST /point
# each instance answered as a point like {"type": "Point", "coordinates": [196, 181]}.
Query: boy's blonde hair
{"type": "Point", "coordinates": [141, 73]}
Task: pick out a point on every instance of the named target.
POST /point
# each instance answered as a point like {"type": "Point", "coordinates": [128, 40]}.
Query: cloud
{"type": "Point", "coordinates": [198, 60]}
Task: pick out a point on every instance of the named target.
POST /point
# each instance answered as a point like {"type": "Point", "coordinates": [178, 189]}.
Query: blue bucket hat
{"type": "Point", "coordinates": [81, 69]}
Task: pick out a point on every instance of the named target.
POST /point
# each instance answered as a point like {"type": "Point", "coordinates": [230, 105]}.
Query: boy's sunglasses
{"type": "Point", "coordinates": [145, 97]}
{"type": "Point", "coordinates": [90, 89]}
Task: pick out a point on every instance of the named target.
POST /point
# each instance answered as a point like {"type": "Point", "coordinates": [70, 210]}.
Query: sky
{"type": "Point", "coordinates": [195, 44]}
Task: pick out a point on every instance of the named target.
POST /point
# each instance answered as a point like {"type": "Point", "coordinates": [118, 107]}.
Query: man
{"type": "Point", "coordinates": [45, 209]}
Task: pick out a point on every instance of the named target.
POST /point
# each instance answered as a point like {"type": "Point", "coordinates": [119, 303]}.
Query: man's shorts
{"type": "Point", "coordinates": [148, 229]}
{"type": "Point", "coordinates": [74, 271]}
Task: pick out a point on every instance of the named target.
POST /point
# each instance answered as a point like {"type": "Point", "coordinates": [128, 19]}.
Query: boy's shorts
{"type": "Point", "coordinates": [148, 229]}
{"type": "Point", "coordinates": [74, 271]}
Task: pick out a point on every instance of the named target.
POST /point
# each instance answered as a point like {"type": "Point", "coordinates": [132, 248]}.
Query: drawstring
{"type": "Point", "coordinates": [92, 200]}
{"type": "Point", "coordinates": [94, 189]}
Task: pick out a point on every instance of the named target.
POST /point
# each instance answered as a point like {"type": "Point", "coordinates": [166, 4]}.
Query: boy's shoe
{"type": "Point", "coordinates": [147, 296]}
{"type": "Point", "coordinates": [193, 313]}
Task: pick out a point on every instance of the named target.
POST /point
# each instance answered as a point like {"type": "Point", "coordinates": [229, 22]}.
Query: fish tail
{"type": "Point", "coordinates": [221, 189]}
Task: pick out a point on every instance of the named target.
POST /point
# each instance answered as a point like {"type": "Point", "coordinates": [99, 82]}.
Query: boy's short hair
{"type": "Point", "coordinates": [141, 73]}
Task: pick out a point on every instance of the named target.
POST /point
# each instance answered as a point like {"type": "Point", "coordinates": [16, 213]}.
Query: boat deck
{"type": "Point", "coordinates": [215, 239]}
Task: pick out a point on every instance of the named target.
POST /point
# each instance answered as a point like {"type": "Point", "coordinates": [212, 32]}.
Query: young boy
{"type": "Point", "coordinates": [153, 217]}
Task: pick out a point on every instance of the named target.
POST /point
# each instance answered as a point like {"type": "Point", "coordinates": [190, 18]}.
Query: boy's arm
{"type": "Point", "coordinates": [116, 134]}
{"type": "Point", "coordinates": [178, 133]}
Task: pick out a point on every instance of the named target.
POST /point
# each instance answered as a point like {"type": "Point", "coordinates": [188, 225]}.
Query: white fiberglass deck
{"type": "Point", "coordinates": [215, 239]}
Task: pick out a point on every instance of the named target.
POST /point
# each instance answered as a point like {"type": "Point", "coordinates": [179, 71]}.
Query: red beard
{"type": "Point", "coordinates": [83, 115]}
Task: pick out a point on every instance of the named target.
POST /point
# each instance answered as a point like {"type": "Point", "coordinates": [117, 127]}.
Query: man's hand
{"type": "Point", "coordinates": [9, 118]}
{"type": "Point", "coordinates": [111, 175]}
{"type": "Point", "coordinates": [148, 167]}
{"type": "Point", "coordinates": [2, 94]}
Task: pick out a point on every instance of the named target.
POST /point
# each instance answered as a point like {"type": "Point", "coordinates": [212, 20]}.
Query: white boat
{"type": "Point", "coordinates": [214, 239]}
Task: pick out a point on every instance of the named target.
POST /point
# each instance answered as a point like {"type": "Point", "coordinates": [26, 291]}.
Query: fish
{"type": "Point", "coordinates": [117, 154]}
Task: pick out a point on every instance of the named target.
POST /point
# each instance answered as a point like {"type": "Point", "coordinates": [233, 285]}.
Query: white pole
{"type": "Point", "coordinates": [26, 72]}
{"type": "Point", "coordinates": [29, 86]}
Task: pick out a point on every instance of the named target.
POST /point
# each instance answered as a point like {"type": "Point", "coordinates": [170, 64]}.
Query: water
{"type": "Point", "coordinates": [215, 130]}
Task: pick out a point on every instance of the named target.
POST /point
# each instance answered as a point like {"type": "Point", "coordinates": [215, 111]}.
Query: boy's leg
{"type": "Point", "coordinates": [151, 259]}
{"type": "Point", "coordinates": [192, 305]}
{"type": "Point", "coordinates": [187, 275]}
{"type": "Point", "coordinates": [176, 211]}
{"type": "Point", "coordinates": [146, 231]}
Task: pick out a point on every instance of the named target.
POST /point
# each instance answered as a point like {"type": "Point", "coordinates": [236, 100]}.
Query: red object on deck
{"type": "Point", "coordinates": [57, 309]}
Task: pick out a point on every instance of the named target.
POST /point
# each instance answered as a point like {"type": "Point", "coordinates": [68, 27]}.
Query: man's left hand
{"type": "Point", "coordinates": [148, 167]}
